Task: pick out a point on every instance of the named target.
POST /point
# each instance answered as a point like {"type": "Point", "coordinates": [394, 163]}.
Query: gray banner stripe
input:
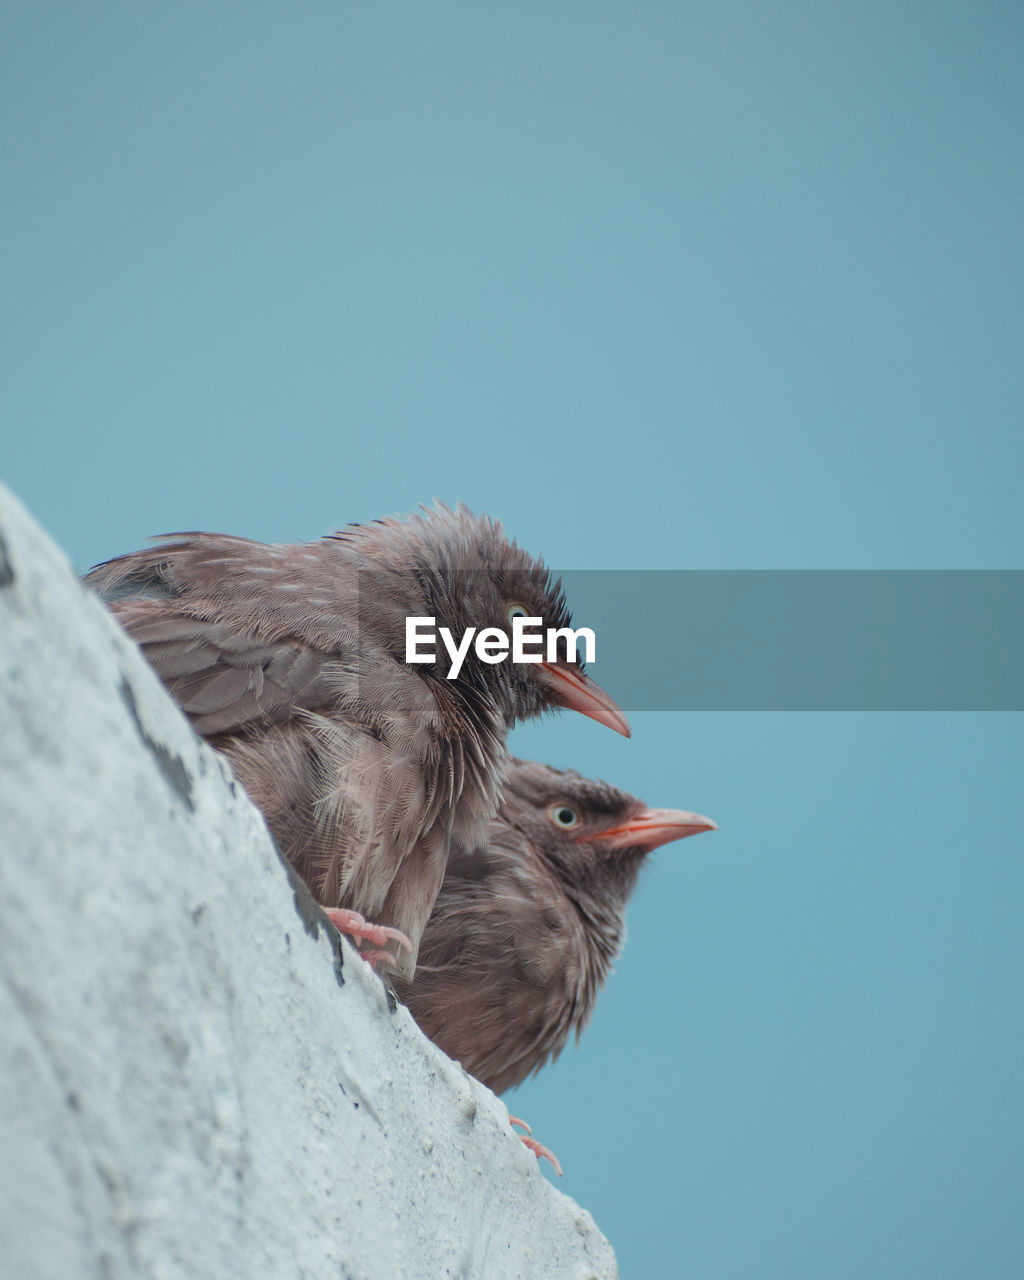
{"type": "Point", "coordinates": [804, 640]}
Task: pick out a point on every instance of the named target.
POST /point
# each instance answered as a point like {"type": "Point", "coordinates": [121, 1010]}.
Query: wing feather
{"type": "Point", "coordinates": [210, 614]}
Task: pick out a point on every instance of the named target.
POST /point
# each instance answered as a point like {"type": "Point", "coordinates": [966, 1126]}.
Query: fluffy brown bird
{"type": "Point", "coordinates": [526, 926]}
{"type": "Point", "coordinates": [291, 661]}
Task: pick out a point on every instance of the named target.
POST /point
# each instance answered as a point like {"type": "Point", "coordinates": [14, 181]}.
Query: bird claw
{"type": "Point", "coordinates": [358, 927]}
{"type": "Point", "coordinates": [531, 1144]}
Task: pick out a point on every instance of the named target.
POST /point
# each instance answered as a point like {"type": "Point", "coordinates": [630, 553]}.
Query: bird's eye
{"type": "Point", "coordinates": [517, 611]}
{"type": "Point", "coordinates": [564, 816]}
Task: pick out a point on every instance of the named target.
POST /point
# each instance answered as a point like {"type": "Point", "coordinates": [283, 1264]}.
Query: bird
{"type": "Point", "coordinates": [526, 926]}
{"type": "Point", "coordinates": [289, 660]}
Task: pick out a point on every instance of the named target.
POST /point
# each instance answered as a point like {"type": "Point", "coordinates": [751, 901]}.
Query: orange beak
{"type": "Point", "coordinates": [652, 827]}
{"type": "Point", "coordinates": [577, 692]}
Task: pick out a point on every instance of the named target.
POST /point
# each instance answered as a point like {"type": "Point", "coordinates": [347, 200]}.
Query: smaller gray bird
{"type": "Point", "coordinates": [526, 926]}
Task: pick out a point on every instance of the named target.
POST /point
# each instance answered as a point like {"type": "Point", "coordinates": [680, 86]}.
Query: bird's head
{"type": "Point", "coordinates": [592, 836]}
{"type": "Point", "coordinates": [463, 571]}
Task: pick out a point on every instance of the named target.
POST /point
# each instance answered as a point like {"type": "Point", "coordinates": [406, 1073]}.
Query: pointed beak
{"type": "Point", "coordinates": [652, 827]}
{"type": "Point", "coordinates": [577, 692]}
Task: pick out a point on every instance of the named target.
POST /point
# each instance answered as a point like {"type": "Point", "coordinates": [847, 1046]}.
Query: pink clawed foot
{"type": "Point", "coordinates": [531, 1144]}
{"type": "Point", "coordinates": [358, 927]}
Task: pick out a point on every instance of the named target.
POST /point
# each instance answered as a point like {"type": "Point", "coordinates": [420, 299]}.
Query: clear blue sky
{"type": "Point", "coordinates": [663, 286]}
